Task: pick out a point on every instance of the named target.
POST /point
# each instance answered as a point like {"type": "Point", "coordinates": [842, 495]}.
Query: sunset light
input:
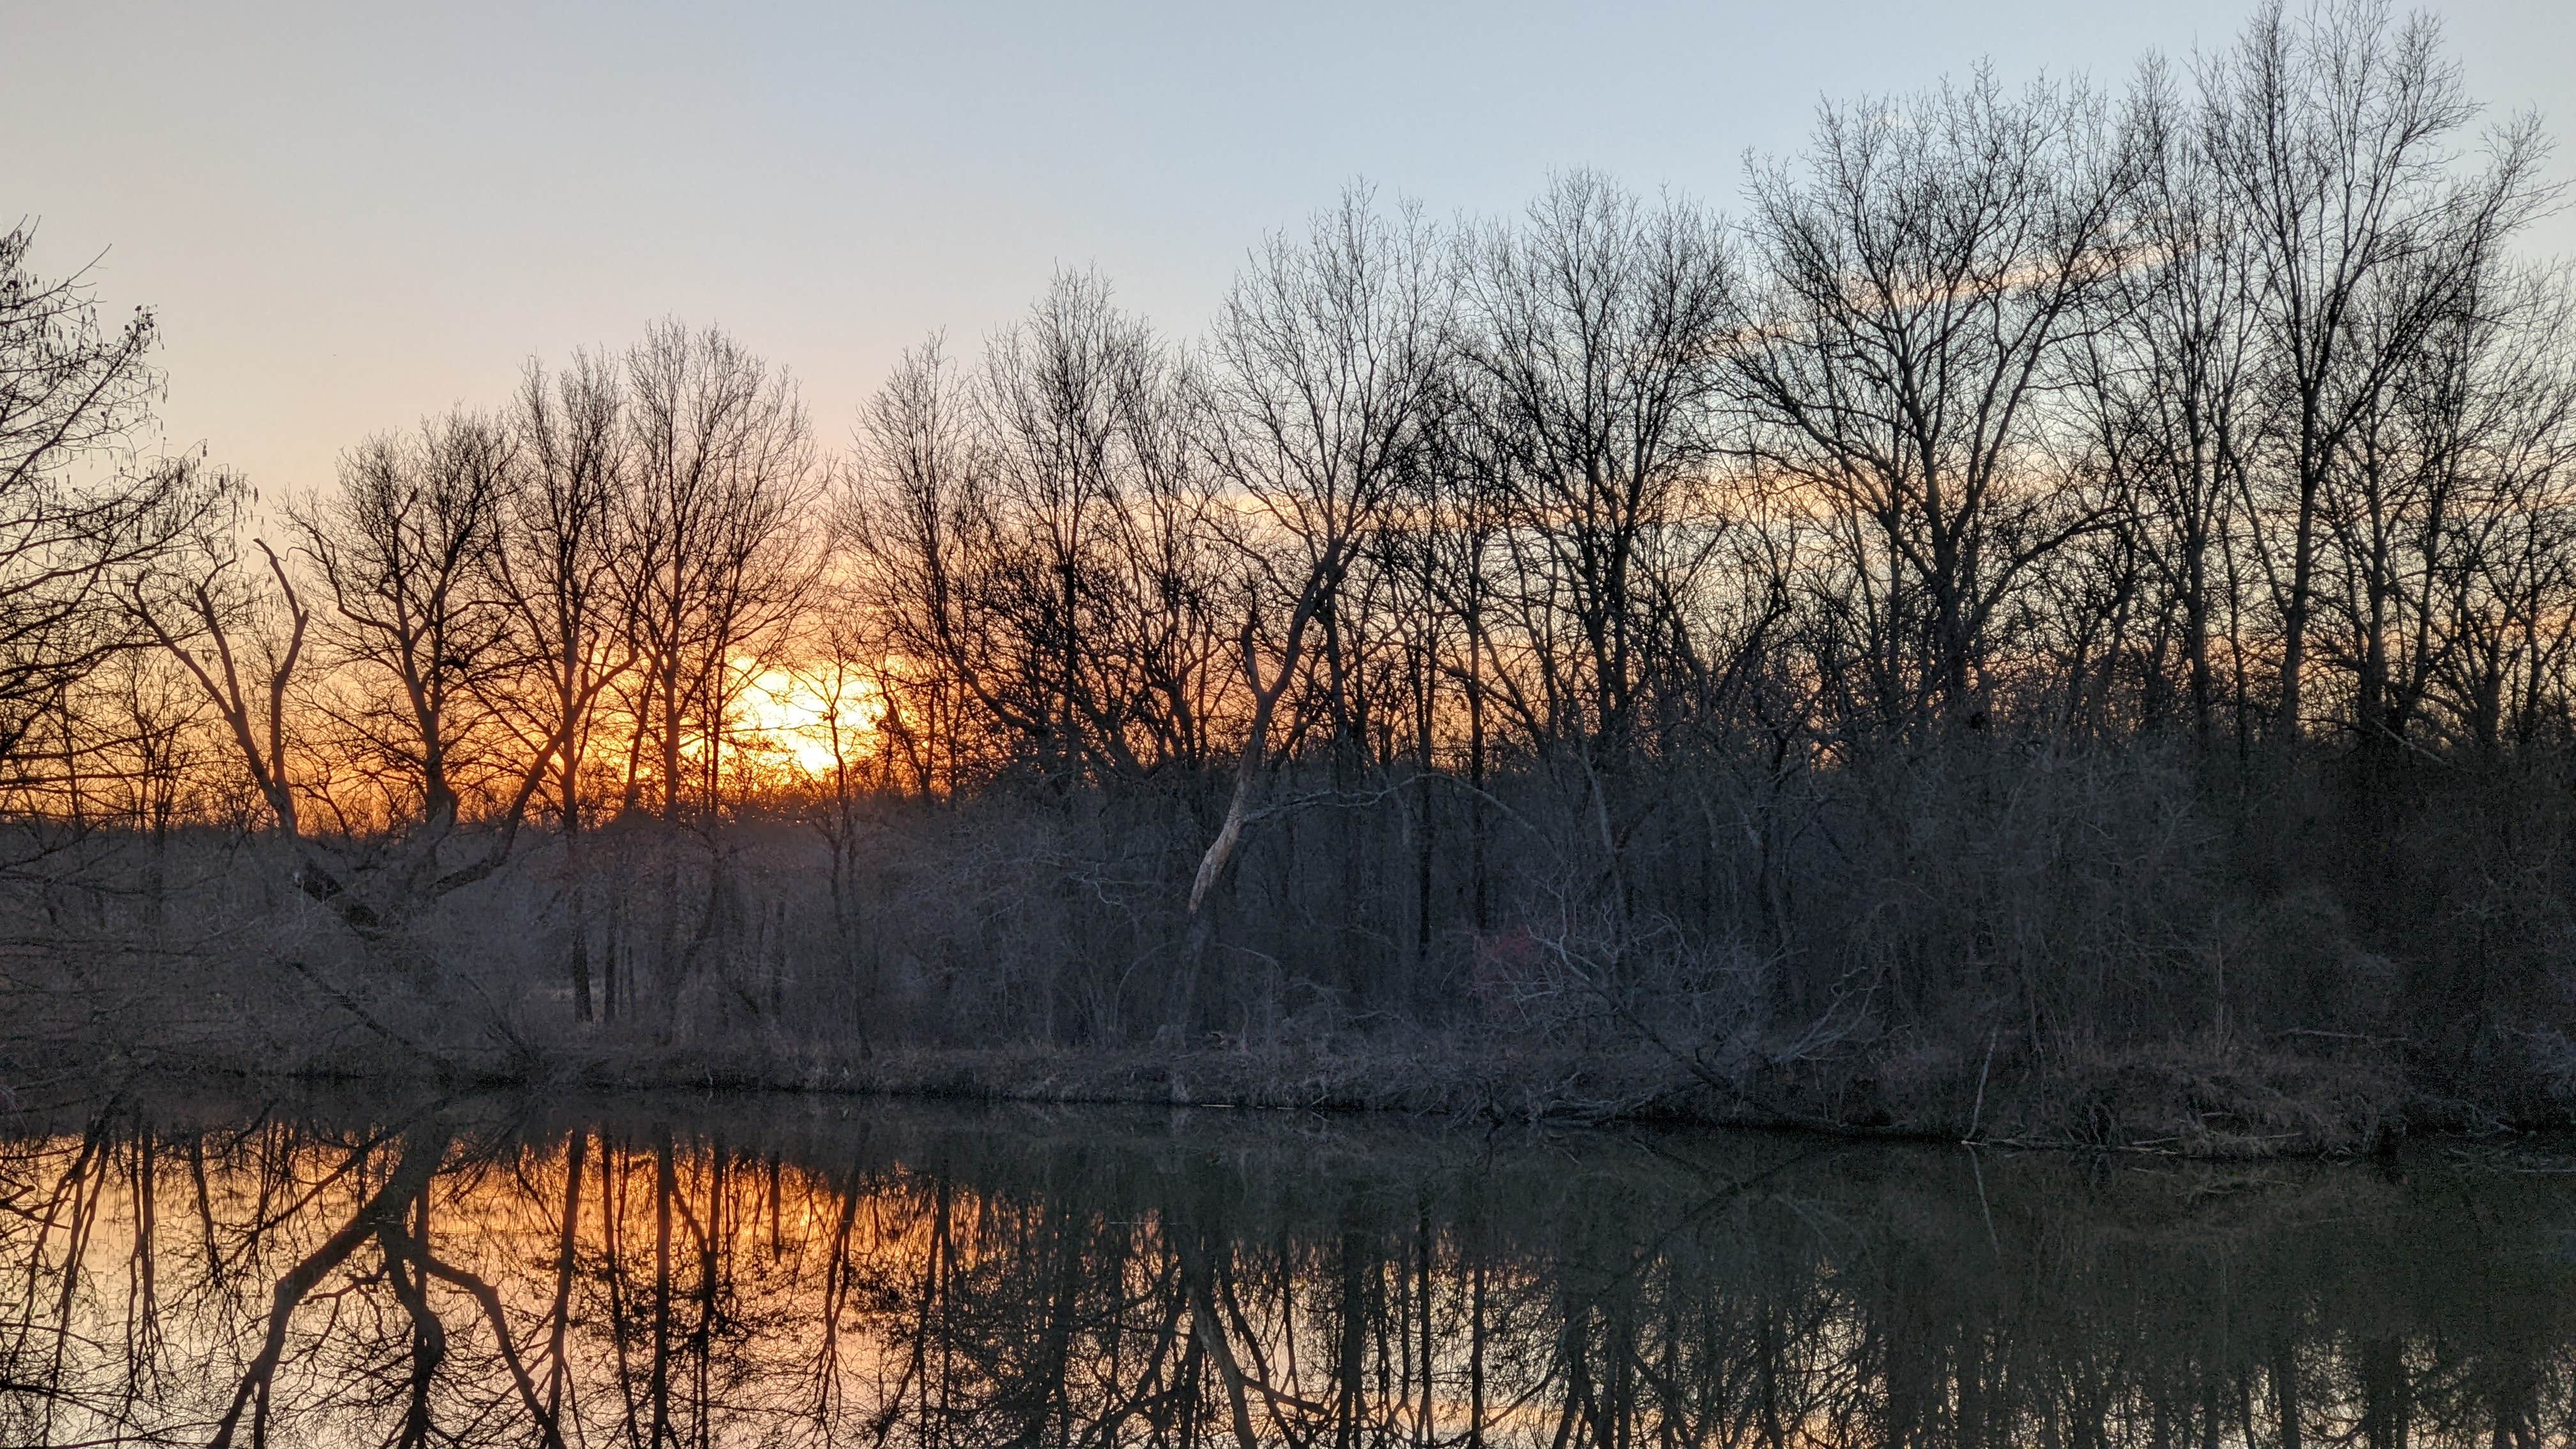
{"type": "Point", "coordinates": [1406, 726]}
{"type": "Point", "coordinates": [800, 715]}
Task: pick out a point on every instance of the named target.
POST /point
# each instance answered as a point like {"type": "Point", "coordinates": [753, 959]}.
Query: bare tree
{"type": "Point", "coordinates": [1325, 368]}
{"type": "Point", "coordinates": [240, 630]}
{"type": "Point", "coordinates": [1171, 571]}
{"type": "Point", "coordinates": [1919, 280]}
{"type": "Point", "coordinates": [554, 571]}
{"type": "Point", "coordinates": [2168, 379]}
{"type": "Point", "coordinates": [1044, 536]}
{"type": "Point", "coordinates": [904, 509]}
{"type": "Point", "coordinates": [2499, 666]}
{"type": "Point", "coordinates": [1051, 412]}
{"type": "Point", "coordinates": [721, 551]}
{"type": "Point", "coordinates": [404, 552]}
{"type": "Point", "coordinates": [1602, 326]}
{"type": "Point", "coordinates": [2333, 134]}
{"type": "Point", "coordinates": [720, 545]}
{"type": "Point", "coordinates": [83, 505]}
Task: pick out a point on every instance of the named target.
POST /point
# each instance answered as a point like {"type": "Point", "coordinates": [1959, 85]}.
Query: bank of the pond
{"type": "Point", "coordinates": [2205, 1103]}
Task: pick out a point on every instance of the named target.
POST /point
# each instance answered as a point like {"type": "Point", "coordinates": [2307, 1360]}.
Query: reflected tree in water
{"type": "Point", "coordinates": [472, 1273]}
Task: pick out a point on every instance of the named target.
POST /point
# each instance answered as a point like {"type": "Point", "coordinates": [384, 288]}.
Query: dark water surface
{"type": "Point", "coordinates": [763, 1270]}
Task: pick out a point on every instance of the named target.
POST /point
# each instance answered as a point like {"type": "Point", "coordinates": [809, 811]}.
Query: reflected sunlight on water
{"type": "Point", "coordinates": [776, 1271]}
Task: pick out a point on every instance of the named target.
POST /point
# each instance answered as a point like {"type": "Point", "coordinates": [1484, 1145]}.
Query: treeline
{"type": "Point", "coordinates": [2057, 573]}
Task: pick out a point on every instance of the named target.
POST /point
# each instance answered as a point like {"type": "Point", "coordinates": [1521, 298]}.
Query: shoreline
{"type": "Point", "coordinates": [2172, 1107]}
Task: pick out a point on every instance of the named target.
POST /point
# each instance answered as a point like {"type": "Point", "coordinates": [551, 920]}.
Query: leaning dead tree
{"type": "Point", "coordinates": [1326, 366]}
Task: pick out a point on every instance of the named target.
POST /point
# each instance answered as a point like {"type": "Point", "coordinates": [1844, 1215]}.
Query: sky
{"type": "Point", "coordinates": [350, 215]}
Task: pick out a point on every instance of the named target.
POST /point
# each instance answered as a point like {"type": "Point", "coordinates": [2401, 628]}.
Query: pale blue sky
{"type": "Point", "coordinates": [349, 215]}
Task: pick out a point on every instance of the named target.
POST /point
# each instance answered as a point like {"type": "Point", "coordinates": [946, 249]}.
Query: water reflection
{"type": "Point", "coordinates": [779, 1272]}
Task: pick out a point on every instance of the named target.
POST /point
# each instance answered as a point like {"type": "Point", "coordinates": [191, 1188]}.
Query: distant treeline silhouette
{"type": "Point", "coordinates": [2052, 616]}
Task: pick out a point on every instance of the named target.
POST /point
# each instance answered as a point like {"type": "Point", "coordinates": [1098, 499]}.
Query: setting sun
{"type": "Point", "coordinates": [810, 718]}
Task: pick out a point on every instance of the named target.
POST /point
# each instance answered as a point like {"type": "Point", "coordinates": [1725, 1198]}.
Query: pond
{"type": "Point", "coordinates": [194, 1268]}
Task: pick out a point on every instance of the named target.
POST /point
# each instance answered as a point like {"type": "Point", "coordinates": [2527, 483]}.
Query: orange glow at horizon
{"type": "Point", "coordinates": [794, 714]}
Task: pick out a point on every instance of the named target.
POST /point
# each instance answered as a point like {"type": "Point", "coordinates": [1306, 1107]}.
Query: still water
{"type": "Point", "coordinates": [192, 1269]}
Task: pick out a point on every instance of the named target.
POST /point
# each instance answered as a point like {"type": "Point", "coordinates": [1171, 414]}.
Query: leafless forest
{"type": "Point", "coordinates": [2049, 615]}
